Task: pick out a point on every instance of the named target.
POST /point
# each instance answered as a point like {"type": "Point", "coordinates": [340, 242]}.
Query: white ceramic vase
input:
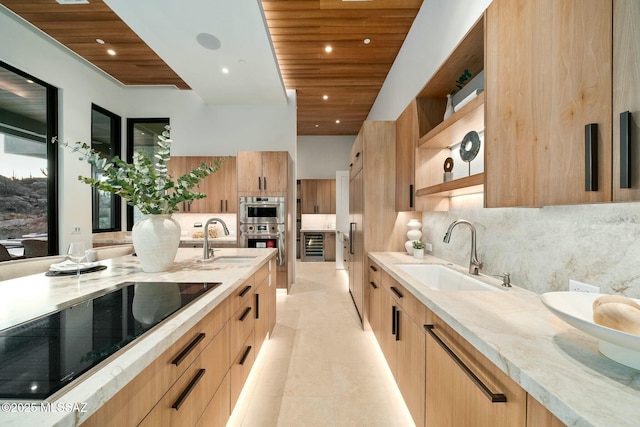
{"type": "Point", "coordinates": [413, 234]}
{"type": "Point", "coordinates": [418, 253]}
{"type": "Point", "coordinates": [448, 112]}
{"type": "Point", "coordinates": [156, 239]}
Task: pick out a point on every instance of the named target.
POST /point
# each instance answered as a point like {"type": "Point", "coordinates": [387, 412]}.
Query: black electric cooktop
{"type": "Point", "coordinates": [40, 357]}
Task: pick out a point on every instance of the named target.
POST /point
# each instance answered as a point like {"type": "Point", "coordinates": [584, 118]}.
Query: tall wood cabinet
{"type": "Point", "coordinates": [548, 75]}
{"type": "Point", "coordinates": [263, 173]}
{"type": "Point", "coordinates": [220, 187]}
{"type": "Point", "coordinates": [371, 203]}
{"type": "Point", "coordinates": [406, 138]}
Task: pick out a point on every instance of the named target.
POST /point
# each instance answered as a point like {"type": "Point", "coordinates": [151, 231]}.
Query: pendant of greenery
{"type": "Point", "coordinates": [143, 183]}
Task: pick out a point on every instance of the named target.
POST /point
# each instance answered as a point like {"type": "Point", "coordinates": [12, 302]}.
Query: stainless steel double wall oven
{"type": "Point", "coordinates": [262, 224]}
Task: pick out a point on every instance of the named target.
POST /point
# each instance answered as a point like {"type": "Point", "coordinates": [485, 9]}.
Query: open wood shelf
{"type": "Point", "coordinates": [453, 129]}
{"type": "Point", "coordinates": [458, 187]}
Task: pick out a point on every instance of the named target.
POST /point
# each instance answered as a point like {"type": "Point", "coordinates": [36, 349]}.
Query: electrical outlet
{"type": "Point", "coordinates": [575, 286]}
{"type": "Point", "coordinates": [75, 229]}
{"type": "Point", "coordinates": [428, 246]}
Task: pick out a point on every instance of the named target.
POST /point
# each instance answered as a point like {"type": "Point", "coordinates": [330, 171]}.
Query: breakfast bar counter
{"type": "Point", "coordinates": [30, 297]}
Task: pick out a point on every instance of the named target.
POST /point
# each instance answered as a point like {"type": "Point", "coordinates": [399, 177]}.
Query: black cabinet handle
{"type": "Point", "coordinates": [257, 306]}
{"type": "Point", "coordinates": [187, 391]}
{"type": "Point", "coordinates": [397, 292]}
{"type": "Point", "coordinates": [357, 154]}
{"type": "Point", "coordinates": [245, 313]}
{"type": "Point", "coordinates": [350, 165]}
{"type": "Point", "coordinates": [221, 210]}
{"type": "Point", "coordinates": [245, 355]}
{"type": "Point", "coordinates": [259, 183]}
{"type": "Point", "coordinates": [264, 179]}
{"type": "Point", "coordinates": [591, 157]}
{"type": "Point", "coordinates": [397, 325]}
{"type": "Point", "coordinates": [393, 319]}
{"type": "Point", "coordinates": [625, 149]}
{"type": "Point", "coordinates": [226, 205]}
{"type": "Point", "coordinates": [411, 195]}
{"type": "Point", "coordinates": [351, 227]}
{"type": "Point", "coordinates": [188, 349]}
{"type": "Point", "coordinates": [373, 267]}
{"type": "Point", "coordinates": [493, 397]}
{"type": "Point", "coordinates": [244, 291]}
{"type": "Point", "coordinates": [373, 285]}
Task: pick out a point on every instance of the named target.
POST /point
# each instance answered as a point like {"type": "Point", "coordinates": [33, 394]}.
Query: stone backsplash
{"type": "Point", "coordinates": [543, 248]}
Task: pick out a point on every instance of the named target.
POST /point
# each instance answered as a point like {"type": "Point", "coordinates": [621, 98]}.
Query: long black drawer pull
{"type": "Point", "coordinates": [187, 391]}
{"type": "Point", "coordinates": [257, 306]}
{"type": "Point", "coordinates": [411, 202]}
{"type": "Point", "coordinates": [397, 325]}
{"type": "Point", "coordinates": [373, 285]}
{"type": "Point", "coordinates": [188, 349]}
{"type": "Point", "coordinates": [393, 320]}
{"type": "Point", "coordinates": [245, 355]}
{"type": "Point", "coordinates": [244, 291]}
{"type": "Point", "coordinates": [625, 150]}
{"type": "Point", "coordinates": [397, 292]}
{"type": "Point", "coordinates": [591, 157]}
{"type": "Point", "coordinates": [245, 313]}
{"type": "Point", "coordinates": [493, 397]}
{"type": "Point", "coordinates": [373, 267]}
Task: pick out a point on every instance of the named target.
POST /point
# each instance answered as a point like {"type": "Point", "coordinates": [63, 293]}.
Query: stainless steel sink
{"type": "Point", "coordinates": [442, 278]}
{"type": "Point", "coordinates": [233, 259]}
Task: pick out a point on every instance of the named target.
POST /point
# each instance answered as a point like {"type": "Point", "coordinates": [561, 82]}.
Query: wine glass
{"type": "Point", "coordinates": [77, 251]}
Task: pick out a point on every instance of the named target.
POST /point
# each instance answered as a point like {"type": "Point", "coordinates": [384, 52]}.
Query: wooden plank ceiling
{"type": "Point", "coordinates": [351, 75]}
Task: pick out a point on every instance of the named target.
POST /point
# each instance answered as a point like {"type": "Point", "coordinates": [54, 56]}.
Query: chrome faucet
{"type": "Point", "coordinates": [474, 263]}
{"type": "Point", "coordinates": [208, 252]}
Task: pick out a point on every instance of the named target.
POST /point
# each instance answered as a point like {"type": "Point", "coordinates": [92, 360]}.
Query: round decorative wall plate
{"type": "Point", "coordinates": [470, 146]}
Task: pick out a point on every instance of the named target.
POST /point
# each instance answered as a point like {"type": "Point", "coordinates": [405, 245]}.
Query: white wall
{"type": "Point", "coordinates": [197, 128]}
{"type": "Point", "coordinates": [319, 157]}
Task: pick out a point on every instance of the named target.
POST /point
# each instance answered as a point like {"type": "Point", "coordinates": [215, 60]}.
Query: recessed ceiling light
{"type": "Point", "coordinates": [111, 52]}
{"type": "Point", "coordinates": [325, 97]}
{"type": "Point", "coordinates": [367, 41]}
{"type": "Point", "coordinates": [317, 126]}
{"type": "Point", "coordinates": [338, 121]}
{"type": "Point", "coordinates": [100, 41]}
{"type": "Point", "coordinates": [225, 70]}
{"type": "Point", "coordinates": [328, 49]}
{"type": "Point", "coordinates": [208, 41]}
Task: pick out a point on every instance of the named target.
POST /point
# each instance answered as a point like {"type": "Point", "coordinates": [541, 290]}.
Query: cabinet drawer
{"type": "Point", "coordinates": [187, 399]}
{"type": "Point", "coordinates": [357, 154]}
{"type": "Point", "coordinates": [242, 323]}
{"type": "Point", "coordinates": [131, 404]}
{"type": "Point", "coordinates": [242, 294]}
{"type": "Point", "coordinates": [375, 273]}
{"type": "Point", "coordinates": [240, 368]}
{"type": "Point", "coordinates": [405, 299]}
{"type": "Point", "coordinates": [218, 412]}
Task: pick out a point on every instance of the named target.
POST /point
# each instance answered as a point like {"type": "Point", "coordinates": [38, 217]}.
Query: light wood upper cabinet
{"type": "Point", "coordinates": [263, 172]}
{"type": "Point", "coordinates": [318, 196]}
{"type": "Point", "coordinates": [406, 138]}
{"type": "Point", "coordinates": [220, 187]}
{"type": "Point", "coordinates": [626, 93]}
{"type": "Point", "coordinates": [547, 75]}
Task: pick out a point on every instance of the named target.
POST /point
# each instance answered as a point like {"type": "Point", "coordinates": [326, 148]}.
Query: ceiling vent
{"type": "Point", "coordinates": [73, 1]}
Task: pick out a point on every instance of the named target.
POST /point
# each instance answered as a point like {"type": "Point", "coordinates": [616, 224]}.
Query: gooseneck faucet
{"type": "Point", "coordinates": [474, 262]}
{"type": "Point", "coordinates": [209, 252]}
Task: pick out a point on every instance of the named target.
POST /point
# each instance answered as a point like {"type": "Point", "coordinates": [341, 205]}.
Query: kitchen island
{"type": "Point", "coordinates": [554, 363]}
{"type": "Point", "coordinates": [32, 296]}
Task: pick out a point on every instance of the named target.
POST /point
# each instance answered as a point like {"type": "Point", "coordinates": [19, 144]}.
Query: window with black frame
{"type": "Point", "coordinates": [105, 139]}
{"type": "Point", "coordinates": [28, 162]}
{"type": "Point", "coordinates": [142, 135]}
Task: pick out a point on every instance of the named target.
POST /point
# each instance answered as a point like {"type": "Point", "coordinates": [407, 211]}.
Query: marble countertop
{"type": "Point", "coordinates": [125, 237]}
{"type": "Point", "coordinates": [557, 364]}
{"type": "Point", "coordinates": [31, 296]}
{"type": "Point", "coordinates": [318, 230]}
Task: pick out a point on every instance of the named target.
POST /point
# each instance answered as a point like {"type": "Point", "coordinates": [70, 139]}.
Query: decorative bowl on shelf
{"type": "Point", "coordinates": [576, 308]}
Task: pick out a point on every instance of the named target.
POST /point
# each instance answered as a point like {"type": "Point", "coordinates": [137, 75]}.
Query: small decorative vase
{"type": "Point", "coordinates": [449, 110]}
{"type": "Point", "coordinates": [413, 234]}
{"type": "Point", "coordinates": [156, 239]}
{"type": "Point", "coordinates": [418, 253]}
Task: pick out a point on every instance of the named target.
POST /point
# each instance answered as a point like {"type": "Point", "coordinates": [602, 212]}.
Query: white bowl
{"type": "Point", "coordinates": [576, 308]}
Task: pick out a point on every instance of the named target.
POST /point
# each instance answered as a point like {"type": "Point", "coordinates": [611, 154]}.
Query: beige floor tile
{"type": "Point", "coordinates": [320, 368]}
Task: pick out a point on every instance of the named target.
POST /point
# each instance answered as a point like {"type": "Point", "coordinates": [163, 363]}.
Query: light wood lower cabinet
{"type": "Point", "coordinates": [539, 416]}
{"type": "Point", "coordinates": [453, 398]}
{"type": "Point", "coordinates": [197, 381]}
{"type": "Point", "coordinates": [329, 243]}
